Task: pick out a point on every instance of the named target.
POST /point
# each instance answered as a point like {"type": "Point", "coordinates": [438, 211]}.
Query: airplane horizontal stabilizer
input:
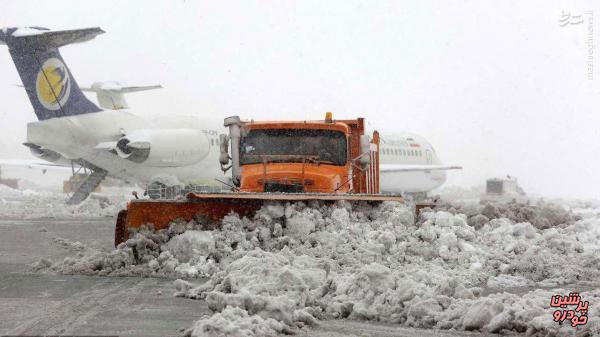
{"type": "Point", "coordinates": [110, 94]}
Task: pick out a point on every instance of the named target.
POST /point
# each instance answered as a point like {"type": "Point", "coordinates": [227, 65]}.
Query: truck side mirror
{"type": "Point", "coordinates": [365, 150]}
{"type": "Point", "coordinates": [224, 144]}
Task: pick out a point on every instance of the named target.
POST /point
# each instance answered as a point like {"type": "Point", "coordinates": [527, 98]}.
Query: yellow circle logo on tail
{"type": "Point", "coordinates": [53, 85]}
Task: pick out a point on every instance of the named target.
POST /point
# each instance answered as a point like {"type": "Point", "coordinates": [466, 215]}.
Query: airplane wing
{"type": "Point", "coordinates": [32, 163]}
{"type": "Point", "coordinates": [415, 168]}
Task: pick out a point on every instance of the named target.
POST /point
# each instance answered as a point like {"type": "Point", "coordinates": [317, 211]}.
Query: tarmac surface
{"type": "Point", "coordinates": [48, 304]}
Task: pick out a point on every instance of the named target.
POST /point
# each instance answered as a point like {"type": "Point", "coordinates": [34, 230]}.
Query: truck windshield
{"type": "Point", "coordinates": [293, 145]}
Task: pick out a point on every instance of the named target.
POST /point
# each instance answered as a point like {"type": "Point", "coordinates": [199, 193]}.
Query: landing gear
{"type": "Point", "coordinates": [83, 181]}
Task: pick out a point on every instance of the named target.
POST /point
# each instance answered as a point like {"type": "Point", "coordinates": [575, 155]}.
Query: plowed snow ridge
{"type": "Point", "coordinates": [295, 264]}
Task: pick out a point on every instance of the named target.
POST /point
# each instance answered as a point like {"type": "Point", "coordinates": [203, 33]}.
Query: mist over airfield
{"type": "Point", "coordinates": [499, 88]}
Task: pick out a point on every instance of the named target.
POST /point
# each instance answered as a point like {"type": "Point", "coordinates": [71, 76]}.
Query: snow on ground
{"type": "Point", "coordinates": [292, 265]}
{"type": "Point", "coordinates": [30, 204]}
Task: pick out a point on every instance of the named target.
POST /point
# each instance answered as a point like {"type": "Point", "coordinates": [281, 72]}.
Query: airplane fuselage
{"type": "Point", "coordinates": [77, 137]}
{"type": "Point", "coordinates": [409, 149]}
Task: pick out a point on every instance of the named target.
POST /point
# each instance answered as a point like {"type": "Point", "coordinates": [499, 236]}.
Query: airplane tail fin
{"type": "Point", "coordinates": [51, 88]}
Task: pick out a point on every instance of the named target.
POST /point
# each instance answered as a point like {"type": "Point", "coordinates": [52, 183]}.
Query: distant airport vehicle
{"type": "Point", "coordinates": [503, 189]}
{"type": "Point", "coordinates": [178, 150]}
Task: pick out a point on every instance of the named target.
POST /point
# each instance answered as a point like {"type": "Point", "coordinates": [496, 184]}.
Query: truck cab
{"type": "Point", "coordinates": [323, 156]}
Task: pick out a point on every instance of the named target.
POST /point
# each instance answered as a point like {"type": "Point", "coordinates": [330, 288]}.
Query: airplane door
{"type": "Point", "coordinates": [428, 155]}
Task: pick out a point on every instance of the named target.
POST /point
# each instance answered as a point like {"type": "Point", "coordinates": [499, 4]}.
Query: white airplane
{"type": "Point", "coordinates": [113, 141]}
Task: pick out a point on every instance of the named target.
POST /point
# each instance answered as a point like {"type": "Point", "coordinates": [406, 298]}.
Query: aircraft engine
{"type": "Point", "coordinates": [166, 148]}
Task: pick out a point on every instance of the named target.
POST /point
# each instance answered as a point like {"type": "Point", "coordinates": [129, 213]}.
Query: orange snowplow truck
{"type": "Point", "coordinates": [287, 161]}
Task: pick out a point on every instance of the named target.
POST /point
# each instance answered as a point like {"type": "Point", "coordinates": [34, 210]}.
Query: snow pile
{"type": "Point", "coordinates": [374, 264]}
{"type": "Point", "coordinates": [234, 322]}
{"type": "Point", "coordinates": [541, 214]}
{"type": "Point", "coordinates": [530, 313]}
{"type": "Point", "coordinates": [10, 193]}
{"type": "Point", "coordinates": [28, 204]}
{"type": "Point", "coordinates": [294, 264]}
{"type": "Point", "coordinates": [181, 251]}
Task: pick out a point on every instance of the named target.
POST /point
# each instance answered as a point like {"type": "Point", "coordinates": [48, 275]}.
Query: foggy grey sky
{"type": "Point", "coordinates": [497, 86]}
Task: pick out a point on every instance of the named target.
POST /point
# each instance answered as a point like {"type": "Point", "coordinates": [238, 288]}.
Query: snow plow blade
{"type": "Point", "coordinates": [215, 206]}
